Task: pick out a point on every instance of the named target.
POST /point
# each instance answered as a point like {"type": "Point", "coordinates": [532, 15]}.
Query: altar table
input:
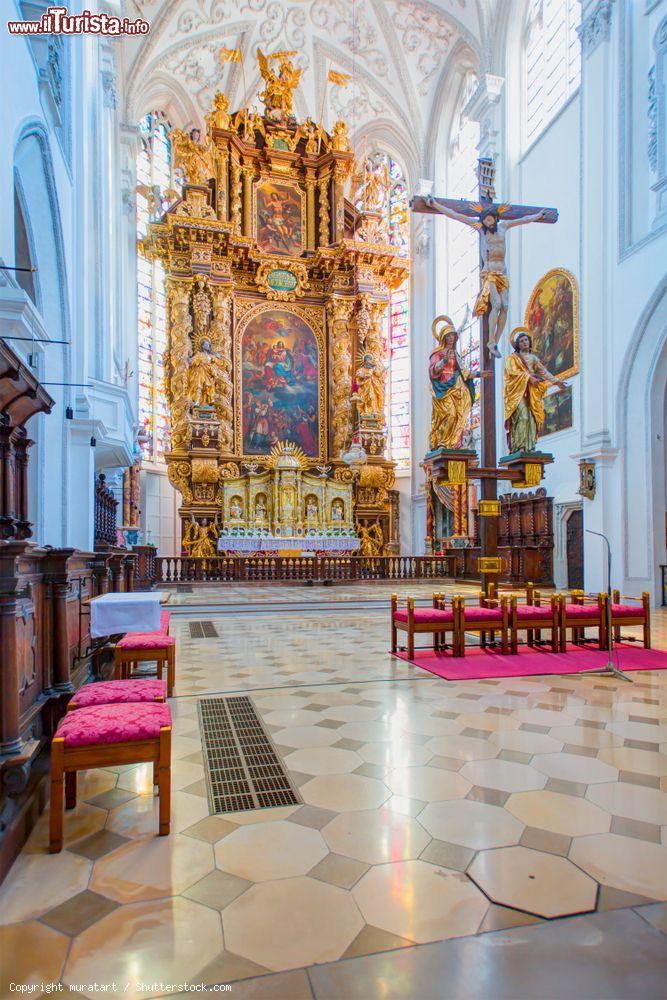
{"type": "Point", "coordinates": [305, 544]}
{"type": "Point", "coordinates": [111, 614]}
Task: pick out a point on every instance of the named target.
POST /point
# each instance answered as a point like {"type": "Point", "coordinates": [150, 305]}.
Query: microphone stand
{"type": "Point", "coordinates": [609, 670]}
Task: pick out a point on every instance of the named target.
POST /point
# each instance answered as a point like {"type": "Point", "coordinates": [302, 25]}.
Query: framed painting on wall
{"type": "Point", "coordinates": [557, 412]}
{"type": "Point", "coordinates": [552, 316]}
{"type": "Point", "coordinates": [280, 357]}
{"type": "Point", "coordinates": [280, 225]}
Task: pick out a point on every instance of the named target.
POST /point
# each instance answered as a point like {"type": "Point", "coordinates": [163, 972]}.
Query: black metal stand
{"type": "Point", "coordinates": [609, 670]}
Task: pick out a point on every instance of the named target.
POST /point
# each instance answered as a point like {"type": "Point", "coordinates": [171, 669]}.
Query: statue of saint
{"type": "Point", "coordinates": [202, 308]}
{"type": "Point", "coordinates": [236, 510]}
{"type": "Point", "coordinates": [201, 540]}
{"type": "Point", "coordinates": [260, 511]}
{"type": "Point", "coordinates": [494, 293]}
{"type": "Point", "coordinates": [194, 158]}
{"type": "Point", "coordinates": [311, 509]}
{"type": "Point", "coordinates": [278, 93]}
{"type": "Point", "coordinates": [203, 373]}
{"type": "Point", "coordinates": [452, 388]}
{"type": "Point", "coordinates": [369, 386]}
{"type": "Point", "coordinates": [340, 142]}
{"type": "Point", "coordinates": [337, 511]}
{"type": "Point", "coordinates": [526, 382]}
{"type": "Point", "coordinates": [220, 116]}
{"type": "Point", "coordinates": [372, 540]}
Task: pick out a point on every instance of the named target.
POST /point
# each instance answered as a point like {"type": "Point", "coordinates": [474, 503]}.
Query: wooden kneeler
{"type": "Point", "coordinates": [67, 760]}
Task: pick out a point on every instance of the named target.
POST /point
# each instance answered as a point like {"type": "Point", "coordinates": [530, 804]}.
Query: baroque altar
{"type": "Point", "coordinates": [277, 290]}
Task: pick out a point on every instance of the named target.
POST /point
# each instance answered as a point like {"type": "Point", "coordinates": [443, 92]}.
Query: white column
{"type": "Point", "coordinates": [80, 501]}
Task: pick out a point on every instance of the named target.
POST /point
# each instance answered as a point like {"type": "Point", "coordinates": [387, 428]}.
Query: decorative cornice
{"type": "Point", "coordinates": [596, 27]}
{"type": "Point", "coordinates": [483, 107]}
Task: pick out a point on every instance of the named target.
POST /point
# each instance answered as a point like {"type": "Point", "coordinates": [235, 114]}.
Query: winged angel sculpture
{"type": "Point", "coordinates": [278, 93]}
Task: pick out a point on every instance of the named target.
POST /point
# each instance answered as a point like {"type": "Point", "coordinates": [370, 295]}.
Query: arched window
{"type": "Point", "coordinates": [155, 189]}
{"type": "Point", "coordinates": [22, 254]}
{"type": "Point", "coordinates": [552, 61]}
{"type": "Point", "coordinates": [397, 331]}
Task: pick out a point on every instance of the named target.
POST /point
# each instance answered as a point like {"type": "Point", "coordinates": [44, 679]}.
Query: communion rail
{"type": "Point", "coordinates": [234, 569]}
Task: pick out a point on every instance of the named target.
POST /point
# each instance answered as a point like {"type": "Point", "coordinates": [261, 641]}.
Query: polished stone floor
{"type": "Point", "coordinates": [489, 838]}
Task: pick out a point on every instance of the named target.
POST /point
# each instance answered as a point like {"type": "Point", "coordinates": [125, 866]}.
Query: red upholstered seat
{"type": "Point", "coordinates": [476, 615]}
{"type": "Point", "coordinates": [101, 725]}
{"type": "Point", "coordinates": [426, 616]}
{"type": "Point", "coordinates": [627, 611]}
{"type": "Point", "coordinates": [526, 612]}
{"type": "Point", "coordinates": [146, 640]}
{"type": "Point", "coordinates": [120, 692]}
{"type": "Point", "coordinates": [164, 622]}
{"type": "Point", "coordinates": [582, 610]}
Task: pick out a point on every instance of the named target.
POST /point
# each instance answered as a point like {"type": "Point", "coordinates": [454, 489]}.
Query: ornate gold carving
{"type": "Point", "coordinates": [195, 204]}
{"type": "Point", "coordinates": [229, 470]}
{"type": "Point", "coordinates": [200, 540]}
{"type": "Point", "coordinates": [179, 476]}
{"type": "Point", "coordinates": [178, 351]}
{"type": "Point", "coordinates": [325, 218]}
{"type": "Point", "coordinates": [340, 142]}
{"type": "Point", "coordinates": [204, 470]}
{"type": "Point", "coordinates": [267, 267]}
{"type": "Point", "coordinates": [221, 340]}
{"type": "Point", "coordinates": [278, 93]}
{"type": "Point", "coordinates": [194, 158]}
{"type": "Point", "coordinates": [489, 564]}
{"type": "Point", "coordinates": [372, 540]}
{"type": "Point", "coordinates": [339, 311]}
{"type": "Point", "coordinates": [488, 508]}
{"type": "Point", "coordinates": [236, 194]}
{"type": "Point", "coordinates": [219, 117]}
{"type": "Point", "coordinates": [456, 472]}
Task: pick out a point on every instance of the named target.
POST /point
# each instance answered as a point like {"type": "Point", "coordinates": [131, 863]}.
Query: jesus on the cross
{"type": "Point", "coordinates": [493, 295]}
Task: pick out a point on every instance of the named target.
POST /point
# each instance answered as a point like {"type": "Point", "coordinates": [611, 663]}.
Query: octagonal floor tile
{"type": "Point", "coordinates": [430, 784]}
{"type": "Point", "coordinates": [376, 836]}
{"type": "Point", "coordinates": [352, 713]}
{"type": "Point", "coordinates": [545, 717]}
{"type": "Point", "coordinates": [639, 761]}
{"type": "Point", "coordinates": [291, 922]}
{"type": "Point", "coordinates": [175, 937]}
{"type": "Point", "coordinates": [566, 814]}
{"type": "Point", "coordinates": [463, 747]}
{"type": "Point", "coordinates": [490, 721]}
{"type": "Point", "coordinates": [367, 732]}
{"type": "Point", "coordinates": [140, 816]}
{"type": "Point", "coordinates": [586, 736]}
{"type": "Point", "coordinates": [39, 963]}
{"type": "Point", "coordinates": [543, 884]}
{"type": "Point", "coordinates": [649, 805]}
{"type": "Point", "coordinates": [395, 754]}
{"type": "Point", "coordinates": [306, 736]}
{"type": "Point", "coordinates": [149, 869]}
{"type": "Point", "coordinates": [504, 775]}
{"type": "Point", "coordinates": [292, 717]}
{"type": "Point", "coordinates": [623, 862]}
{"type": "Point", "coordinates": [270, 850]}
{"type": "Point", "coordinates": [419, 901]}
{"type": "Point", "coordinates": [471, 824]}
{"type": "Point", "coordinates": [639, 731]}
{"type": "Point", "coordinates": [574, 767]}
{"type": "Point", "coordinates": [323, 760]}
{"type": "Point", "coordinates": [523, 741]}
{"type": "Point", "coordinates": [428, 725]}
{"type": "Point", "coordinates": [344, 792]}
{"type": "Point", "coordinates": [38, 882]}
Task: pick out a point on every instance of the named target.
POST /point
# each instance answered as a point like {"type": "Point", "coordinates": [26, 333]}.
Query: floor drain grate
{"type": "Point", "coordinates": [203, 630]}
{"type": "Point", "coordinates": [243, 770]}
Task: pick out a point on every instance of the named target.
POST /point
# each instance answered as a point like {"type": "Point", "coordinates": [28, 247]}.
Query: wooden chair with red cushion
{"type": "Point", "coordinates": [580, 613]}
{"type": "Point", "coordinates": [437, 620]}
{"type": "Point", "coordinates": [631, 615]}
{"type": "Point", "coordinates": [485, 619]}
{"type": "Point", "coordinates": [142, 647]}
{"type": "Point", "coordinates": [531, 618]}
{"type": "Point", "coordinates": [107, 736]}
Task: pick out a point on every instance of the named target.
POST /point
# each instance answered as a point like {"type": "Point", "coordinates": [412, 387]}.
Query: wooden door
{"type": "Point", "coordinates": [575, 550]}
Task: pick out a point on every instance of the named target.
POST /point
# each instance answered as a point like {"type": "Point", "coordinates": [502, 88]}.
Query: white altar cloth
{"type": "Point", "coordinates": [129, 612]}
{"type": "Point", "coordinates": [305, 544]}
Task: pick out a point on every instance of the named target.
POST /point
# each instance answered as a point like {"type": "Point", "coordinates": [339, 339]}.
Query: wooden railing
{"type": "Point", "coordinates": [234, 569]}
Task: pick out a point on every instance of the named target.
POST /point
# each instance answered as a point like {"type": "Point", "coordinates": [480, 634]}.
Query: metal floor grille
{"type": "Point", "coordinates": [203, 630]}
{"type": "Point", "coordinates": [243, 770]}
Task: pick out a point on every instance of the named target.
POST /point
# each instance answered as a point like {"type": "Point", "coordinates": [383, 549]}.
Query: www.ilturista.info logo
{"type": "Point", "coordinates": [56, 21]}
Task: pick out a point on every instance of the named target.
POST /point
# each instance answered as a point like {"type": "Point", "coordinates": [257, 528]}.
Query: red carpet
{"type": "Point", "coordinates": [483, 663]}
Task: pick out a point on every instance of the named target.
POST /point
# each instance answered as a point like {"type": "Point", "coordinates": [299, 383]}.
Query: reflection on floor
{"type": "Point", "coordinates": [433, 811]}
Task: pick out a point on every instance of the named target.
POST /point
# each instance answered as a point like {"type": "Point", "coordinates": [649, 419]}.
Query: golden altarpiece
{"type": "Point", "coordinates": [277, 291]}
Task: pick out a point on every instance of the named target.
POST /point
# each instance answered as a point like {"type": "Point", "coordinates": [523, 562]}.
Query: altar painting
{"type": "Point", "coordinates": [280, 365]}
{"type": "Point", "coordinates": [279, 218]}
{"type": "Point", "coordinates": [552, 317]}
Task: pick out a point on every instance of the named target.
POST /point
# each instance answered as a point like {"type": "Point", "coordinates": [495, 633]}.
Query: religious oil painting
{"type": "Point", "coordinates": [557, 412]}
{"type": "Point", "coordinates": [552, 316]}
{"type": "Point", "coordinates": [279, 211]}
{"type": "Point", "coordinates": [280, 395]}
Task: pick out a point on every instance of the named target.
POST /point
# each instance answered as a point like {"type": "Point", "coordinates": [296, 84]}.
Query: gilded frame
{"type": "Point", "coordinates": [246, 311]}
{"type": "Point", "coordinates": [557, 272]}
{"type": "Point", "coordinates": [267, 178]}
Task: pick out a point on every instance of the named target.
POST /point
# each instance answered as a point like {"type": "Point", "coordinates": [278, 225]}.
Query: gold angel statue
{"type": "Point", "coordinates": [278, 93]}
{"type": "Point", "coordinates": [369, 386]}
{"type": "Point", "coordinates": [200, 541]}
{"type": "Point", "coordinates": [192, 156]}
{"type": "Point", "coordinates": [452, 388]}
{"type": "Point", "coordinates": [372, 540]}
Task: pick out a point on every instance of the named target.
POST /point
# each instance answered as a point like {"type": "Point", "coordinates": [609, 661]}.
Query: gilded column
{"type": "Point", "coordinates": [236, 194]}
{"type": "Point", "coordinates": [223, 193]}
{"type": "Point", "coordinates": [221, 342]}
{"type": "Point", "coordinates": [247, 200]}
{"type": "Point", "coordinates": [179, 346]}
{"type": "Point", "coordinates": [126, 498]}
{"type": "Point", "coordinates": [310, 213]}
{"type": "Point", "coordinates": [134, 496]}
{"type": "Point", "coordinates": [339, 313]}
{"type": "Point", "coordinates": [339, 201]}
{"type": "Point", "coordinates": [323, 188]}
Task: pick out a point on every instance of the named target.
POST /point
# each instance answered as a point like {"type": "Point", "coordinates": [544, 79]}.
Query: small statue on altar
{"type": "Point", "coordinates": [203, 373]}
{"type": "Point", "coordinates": [260, 511]}
{"type": "Point", "coordinates": [278, 93]}
{"type": "Point", "coordinates": [452, 388]}
{"type": "Point", "coordinates": [201, 307]}
{"type": "Point", "coordinates": [369, 387]}
{"type": "Point", "coordinates": [337, 511]}
{"type": "Point", "coordinates": [340, 142]}
{"type": "Point", "coordinates": [220, 116]}
{"type": "Point", "coordinates": [311, 510]}
{"type": "Point", "coordinates": [526, 382]}
{"type": "Point", "coordinates": [192, 156]}
{"type": "Point", "coordinates": [236, 510]}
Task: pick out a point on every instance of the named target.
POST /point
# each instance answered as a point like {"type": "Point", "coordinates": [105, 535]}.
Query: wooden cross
{"type": "Point", "coordinates": [489, 473]}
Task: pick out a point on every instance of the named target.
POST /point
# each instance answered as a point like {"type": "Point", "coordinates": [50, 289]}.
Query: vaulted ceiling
{"type": "Point", "coordinates": [401, 54]}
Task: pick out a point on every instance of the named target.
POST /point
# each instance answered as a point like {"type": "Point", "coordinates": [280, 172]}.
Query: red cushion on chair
{"type": "Point", "coordinates": [528, 611]}
{"type": "Point", "coordinates": [482, 614]}
{"type": "Point", "coordinates": [105, 724]}
{"type": "Point", "coordinates": [146, 640]}
{"type": "Point", "coordinates": [582, 611]}
{"type": "Point", "coordinates": [164, 622]}
{"type": "Point", "coordinates": [426, 616]}
{"type": "Point", "coordinates": [627, 611]}
{"type": "Point", "coordinates": [119, 692]}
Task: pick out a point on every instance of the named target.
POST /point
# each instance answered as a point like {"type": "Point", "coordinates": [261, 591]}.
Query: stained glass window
{"type": "Point", "coordinates": [552, 61]}
{"type": "Point", "coordinates": [155, 188]}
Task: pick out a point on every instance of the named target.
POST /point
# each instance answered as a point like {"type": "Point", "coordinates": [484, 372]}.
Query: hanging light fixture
{"type": "Point", "coordinates": [69, 413]}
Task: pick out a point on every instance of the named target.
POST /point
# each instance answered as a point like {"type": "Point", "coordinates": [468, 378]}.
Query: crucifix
{"type": "Point", "coordinates": [492, 220]}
